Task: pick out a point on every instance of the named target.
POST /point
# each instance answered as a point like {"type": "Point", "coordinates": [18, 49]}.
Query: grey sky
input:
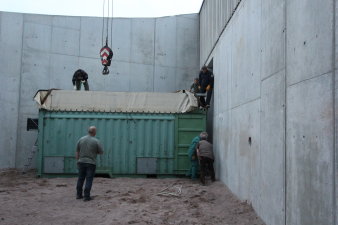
{"type": "Point", "coordinates": [122, 8]}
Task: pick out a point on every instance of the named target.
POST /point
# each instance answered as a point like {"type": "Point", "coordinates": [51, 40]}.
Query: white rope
{"type": "Point", "coordinates": [176, 193]}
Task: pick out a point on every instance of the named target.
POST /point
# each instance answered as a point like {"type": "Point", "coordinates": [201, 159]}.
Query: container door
{"type": "Point", "coordinates": [188, 127]}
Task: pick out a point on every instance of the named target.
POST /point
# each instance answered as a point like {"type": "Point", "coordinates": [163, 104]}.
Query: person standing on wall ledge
{"type": "Point", "coordinates": [206, 157]}
{"type": "Point", "coordinates": [80, 77]}
{"type": "Point", "coordinates": [206, 83]}
{"type": "Point", "coordinates": [87, 149]}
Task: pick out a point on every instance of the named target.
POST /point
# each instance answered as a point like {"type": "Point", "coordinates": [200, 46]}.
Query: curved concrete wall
{"type": "Point", "coordinates": [275, 82]}
{"type": "Point", "coordinates": [41, 52]}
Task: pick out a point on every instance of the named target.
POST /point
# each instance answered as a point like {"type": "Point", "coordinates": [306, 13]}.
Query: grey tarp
{"type": "Point", "coordinates": [98, 101]}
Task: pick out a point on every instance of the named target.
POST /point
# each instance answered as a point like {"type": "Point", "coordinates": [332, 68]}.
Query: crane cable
{"type": "Point", "coordinates": [106, 53]}
{"type": "Point", "coordinates": [106, 24]}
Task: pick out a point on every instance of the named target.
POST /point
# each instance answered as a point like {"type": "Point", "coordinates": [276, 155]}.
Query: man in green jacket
{"type": "Point", "coordinates": [193, 158]}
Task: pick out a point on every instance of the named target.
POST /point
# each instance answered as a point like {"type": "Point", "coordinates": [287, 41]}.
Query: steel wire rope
{"type": "Point", "coordinates": [104, 2]}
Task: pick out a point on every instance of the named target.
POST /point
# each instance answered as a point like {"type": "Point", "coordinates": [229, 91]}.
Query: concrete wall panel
{"type": "Point", "coordinates": [309, 39]}
{"type": "Point", "coordinates": [246, 47]}
{"type": "Point", "coordinates": [273, 149]}
{"type": "Point", "coordinates": [143, 41]}
{"type": "Point", "coordinates": [185, 77]}
{"type": "Point", "coordinates": [91, 40]}
{"type": "Point", "coordinates": [165, 41]}
{"type": "Point", "coordinates": [286, 47]}
{"type": "Point", "coordinates": [121, 40]}
{"type": "Point", "coordinates": [11, 29]}
{"type": "Point", "coordinates": [120, 77]}
{"type": "Point", "coordinates": [222, 98]}
{"type": "Point", "coordinates": [142, 77]}
{"type": "Point", "coordinates": [37, 37]}
{"type": "Point", "coordinates": [165, 79]}
{"type": "Point", "coordinates": [65, 41]}
{"type": "Point", "coordinates": [34, 76]}
{"type": "Point", "coordinates": [245, 125]}
{"type": "Point", "coordinates": [187, 39]}
{"type": "Point", "coordinates": [70, 22]}
{"type": "Point", "coordinates": [309, 152]}
{"type": "Point", "coordinates": [214, 16]}
{"type": "Point", "coordinates": [25, 141]}
{"type": "Point", "coordinates": [9, 97]}
{"type": "Point", "coordinates": [38, 19]}
{"type": "Point", "coordinates": [10, 43]}
{"type": "Point", "coordinates": [62, 68]}
{"type": "Point", "coordinates": [272, 37]}
{"type": "Point", "coordinates": [336, 108]}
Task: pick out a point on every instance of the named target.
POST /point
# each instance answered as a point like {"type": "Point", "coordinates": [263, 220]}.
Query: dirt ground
{"type": "Point", "coordinates": [27, 200]}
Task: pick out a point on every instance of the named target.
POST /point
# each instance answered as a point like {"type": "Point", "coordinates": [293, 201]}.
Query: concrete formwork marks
{"type": "Point", "coordinates": [154, 54]}
{"type": "Point", "coordinates": [292, 86]}
{"type": "Point", "coordinates": [11, 28]}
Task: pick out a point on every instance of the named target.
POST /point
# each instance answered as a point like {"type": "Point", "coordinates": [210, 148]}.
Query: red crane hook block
{"type": "Point", "coordinates": [106, 55]}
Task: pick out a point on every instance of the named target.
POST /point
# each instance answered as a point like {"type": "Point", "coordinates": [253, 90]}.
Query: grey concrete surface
{"type": "Point", "coordinates": [274, 82]}
{"type": "Point", "coordinates": [272, 160]}
{"type": "Point", "coordinates": [10, 68]}
{"type": "Point", "coordinates": [41, 52]}
{"type": "Point", "coordinates": [246, 46]}
{"type": "Point", "coordinates": [309, 152]}
{"type": "Point", "coordinates": [309, 39]}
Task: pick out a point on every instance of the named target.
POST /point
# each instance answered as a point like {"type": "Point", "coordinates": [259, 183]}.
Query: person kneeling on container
{"type": "Point", "coordinates": [87, 149]}
{"type": "Point", "coordinates": [206, 157]}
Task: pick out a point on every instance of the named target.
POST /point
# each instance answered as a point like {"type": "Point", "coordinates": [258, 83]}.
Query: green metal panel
{"type": "Point", "coordinates": [188, 126]}
{"type": "Point", "coordinates": [125, 137]}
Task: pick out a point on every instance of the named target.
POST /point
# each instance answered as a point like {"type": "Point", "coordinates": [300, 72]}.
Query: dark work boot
{"type": "Point", "coordinates": [86, 199]}
{"type": "Point", "coordinates": [79, 196]}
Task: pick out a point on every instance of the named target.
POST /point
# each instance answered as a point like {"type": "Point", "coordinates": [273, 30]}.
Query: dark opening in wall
{"type": "Point", "coordinates": [32, 124]}
{"type": "Point", "coordinates": [210, 114]}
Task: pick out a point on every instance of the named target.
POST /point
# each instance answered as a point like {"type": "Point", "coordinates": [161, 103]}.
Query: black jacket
{"type": "Point", "coordinates": [79, 75]}
{"type": "Point", "coordinates": [205, 79]}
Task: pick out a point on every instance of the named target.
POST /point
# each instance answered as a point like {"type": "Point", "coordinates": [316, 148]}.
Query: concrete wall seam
{"type": "Point", "coordinates": [19, 99]}
{"type": "Point", "coordinates": [334, 158]}
{"type": "Point", "coordinates": [297, 101]}
{"type": "Point", "coordinates": [285, 110]}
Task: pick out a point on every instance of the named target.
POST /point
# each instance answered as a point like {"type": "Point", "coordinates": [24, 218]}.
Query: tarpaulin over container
{"type": "Point", "coordinates": [98, 101]}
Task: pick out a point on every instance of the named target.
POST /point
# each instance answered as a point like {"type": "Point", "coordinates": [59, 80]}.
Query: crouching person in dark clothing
{"type": "Point", "coordinates": [80, 77]}
{"type": "Point", "coordinates": [87, 149]}
{"type": "Point", "coordinates": [206, 157]}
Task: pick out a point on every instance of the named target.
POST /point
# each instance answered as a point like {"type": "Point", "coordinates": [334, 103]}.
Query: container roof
{"type": "Point", "coordinates": [99, 101]}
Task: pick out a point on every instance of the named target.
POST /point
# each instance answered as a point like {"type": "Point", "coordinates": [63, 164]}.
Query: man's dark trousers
{"type": "Point", "coordinates": [202, 99]}
{"type": "Point", "coordinates": [209, 93]}
{"type": "Point", "coordinates": [206, 164]}
{"type": "Point", "coordinates": [86, 172]}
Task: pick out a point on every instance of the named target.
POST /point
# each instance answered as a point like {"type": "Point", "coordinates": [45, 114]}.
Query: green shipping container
{"type": "Point", "coordinates": [135, 144]}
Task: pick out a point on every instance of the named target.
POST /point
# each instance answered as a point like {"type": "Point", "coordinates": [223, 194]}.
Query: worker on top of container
{"type": "Point", "coordinates": [80, 77]}
{"type": "Point", "coordinates": [192, 173]}
{"type": "Point", "coordinates": [194, 87]}
{"type": "Point", "coordinates": [206, 83]}
{"type": "Point", "coordinates": [87, 149]}
{"type": "Point", "coordinates": [206, 157]}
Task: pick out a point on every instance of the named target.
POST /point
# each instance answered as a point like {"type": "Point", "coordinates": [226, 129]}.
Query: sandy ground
{"type": "Point", "coordinates": [25, 200]}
